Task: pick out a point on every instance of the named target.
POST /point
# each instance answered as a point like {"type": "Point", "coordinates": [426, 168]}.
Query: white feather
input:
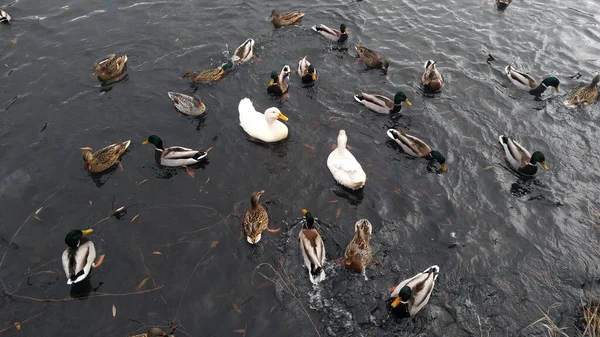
{"type": "Point", "coordinates": [81, 263]}
{"type": "Point", "coordinates": [265, 126]}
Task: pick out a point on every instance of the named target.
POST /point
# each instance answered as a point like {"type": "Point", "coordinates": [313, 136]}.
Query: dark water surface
{"type": "Point", "coordinates": [507, 247]}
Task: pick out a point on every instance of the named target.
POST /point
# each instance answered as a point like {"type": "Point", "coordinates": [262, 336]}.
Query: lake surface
{"type": "Point", "coordinates": [507, 247]}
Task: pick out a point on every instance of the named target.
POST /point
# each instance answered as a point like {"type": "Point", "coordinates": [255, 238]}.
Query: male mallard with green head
{"type": "Point", "coordinates": [313, 249]}
{"type": "Point", "coordinates": [209, 75]}
{"type": "Point", "coordinates": [332, 34]}
{"type": "Point", "coordinates": [104, 158]}
{"type": "Point", "coordinates": [285, 19]}
{"type": "Point", "coordinates": [306, 71]}
{"type": "Point", "coordinates": [79, 257]}
{"type": "Point", "coordinates": [371, 58]}
{"type": "Point", "coordinates": [526, 82]}
{"type": "Point", "coordinates": [411, 295]}
{"type": "Point", "coordinates": [111, 67]}
{"type": "Point", "coordinates": [520, 159]}
{"type": "Point", "coordinates": [279, 83]}
{"type": "Point", "coordinates": [174, 156]}
{"type": "Point", "coordinates": [358, 253]}
{"type": "Point", "coordinates": [382, 104]}
{"type": "Point", "coordinates": [587, 94]}
{"type": "Point", "coordinates": [416, 147]}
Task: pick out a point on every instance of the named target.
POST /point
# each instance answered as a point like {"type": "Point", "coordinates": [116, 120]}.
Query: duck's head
{"type": "Point", "coordinates": [403, 296]}
{"type": "Point", "coordinates": [73, 237]}
{"type": "Point", "coordinates": [255, 197]}
{"type": "Point", "coordinates": [274, 77]}
{"type": "Point", "coordinates": [595, 80]}
{"type": "Point", "coordinates": [199, 102]}
{"type": "Point", "coordinates": [538, 157]}
{"type": "Point", "coordinates": [224, 67]}
{"type": "Point", "coordinates": [274, 14]}
{"type": "Point", "coordinates": [310, 221]}
{"type": "Point", "coordinates": [363, 226]}
{"type": "Point", "coordinates": [188, 73]}
{"type": "Point", "coordinates": [343, 29]}
{"type": "Point", "coordinates": [155, 140]}
{"type": "Point", "coordinates": [401, 97]}
{"type": "Point", "coordinates": [437, 156]}
{"type": "Point", "coordinates": [552, 82]}
{"type": "Point", "coordinates": [87, 157]}
{"type": "Point", "coordinates": [311, 72]}
{"type": "Point", "coordinates": [273, 114]}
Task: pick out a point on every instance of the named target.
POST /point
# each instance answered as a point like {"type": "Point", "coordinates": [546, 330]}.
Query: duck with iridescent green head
{"type": "Point", "coordinates": [382, 104]}
{"type": "Point", "coordinates": [520, 159]}
{"type": "Point", "coordinates": [78, 258]}
{"type": "Point", "coordinates": [526, 82]}
{"type": "Point", "coordinates": [416, 147]}
{"type": "Point", "coordinates": [411, 295]}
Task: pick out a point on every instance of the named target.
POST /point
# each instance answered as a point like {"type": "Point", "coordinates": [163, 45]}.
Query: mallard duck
{"type": "Point", "coordinates": [187, 105]}
{"type": "Point", "coordinates": [306, 71]}
{"type": "Point", "coordinates": [285, 19]}
{"type": "Point", "coordinates": [279, 83]}
{"type": "Point", "coordinates": [382, 104]}
{"type": "Point", "coordinates": [256, 219]}
{"type": "Point", "coordinates": [79, 257]}
{"type": "Point", "coordinates": [502, 4]}
{"type": "Point", "coordinates": [525, 82]}
{"type": "Point", "coordinates": [209, 75]}
{"type": "Point", "coordinates": [313, 249]}
{"type": "Point", "coordinates": [371, 58]}
{"type": "Point", "coordinates": [110, 68]}
{"type": "Point", "coordinates": [244, 52]}
{"type": "Point", "coordinates": [153, 332]}
{"type": "Point", "coordinates": [346, 170]}
{"type": "Point", "coordinates": [411, 295]}
{"type": "Point", "coordinates": [264, 127]}
{"type": "Point", "coordinates": [520, 159]}
{"type": "Point", "coordinates": [358, 254]}
{"type": "Point", "coordinates": [174, 155]}
{"type": "Point", "coordinates": [432, 79]}
{"type": "Point", "coordinates": [4, 17]}
{"type": "Point", "coordinates": [104, 158]}
{"type": "Point", "coordinates": [586, 94]}
{"type": "Point", "coordinates": [332, 34]}
{"type": "Point", "coordinates": [416, 147]}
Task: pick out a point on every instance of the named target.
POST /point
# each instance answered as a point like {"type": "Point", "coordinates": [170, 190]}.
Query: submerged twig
{"type": "Point", "coordinates": [66, 299]}
{"type": "Point", "coordinates": [25, 321]}
{"type": "Point", "coordinates": [188, 283]}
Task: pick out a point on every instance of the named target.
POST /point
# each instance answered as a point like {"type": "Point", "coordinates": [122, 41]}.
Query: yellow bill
{"type": "Point", "coordinates": [443, 167]}
{"type": "Point", "coordinates": [145, 142]}
{"type": "Point", "coordinates": [87, 148]}
{"type": "Point", "coordinates": [304, 211]}
{"type": "Point", "coordinates": [544, 165]}
{"type": "Point", "coordinates": [87, 231]}
{"type": "Point", "coordinates": [271, 82]}
{"type": "Point", "coordinates": [556, 88]}
{"type": "Point", "coordinates": [282, 117]}
{"type": "Point", "coordinates": [314, 77]}
{"type": "Point", "coordinates": [221, 72]}
{"type": "Point", "coordinates": [407, 102]}
{"type": "Point", "coordinates": [346, 31]}
{"type": "Point", "coordinates": [396, 302]}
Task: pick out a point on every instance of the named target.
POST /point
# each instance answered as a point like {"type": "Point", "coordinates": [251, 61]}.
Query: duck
{"type": "Point", "coordinates": [111, 67]}
{"type": "Point", "coordinates": [244, 52]}
{"type": "Point", "coordinates": [153, 332]}
{"type": "Point", "coordinates": [306, 71]}
{"type": "Point", "coordinates": [256, 219]}
{"type": "Point", "coordinates": [264, 127]}
{"type": "Point", "coordinates": [174, 156]}
{"type": "Point", "coordinates": [520, 159]}
{"type": "Point", "coordinates": [382, 104]}
{"type": "Point", "coordinates": [411, 295]}
{"type": "Point", "coordinates": [371, 58]}
{"type": "Point", "coordinates": [285, 19]}
{"type": "Point", "coordinates": [313, 249]}
{"type": "Point", "coordinates": [502, 4]}
{"type": "Point", "coordinates": [432, 79]}
{"type": "Point", "coordinates": [525, 81]}
{"type": "Point", "coordinates": [332, 34]}
{"type": "Point", "coordinates": [587, 94]}
{"type": "Point", "coordinates": [209, 75]}
{"type": "Point", "coordinates": [358, 253]}
{"type": "Point", "coordinates": [78, 258]}
{"type": "Point", "coordinates": [416, 147]}
{"type": "Point", "coordinates": [4, 17]}
{"type": "Point", "coordinates": [279, 83]}
{"type": "Point", "coordinates": [346, 170]}
{"type": "Point", "coordinates": [104, 158]}
{"type": "Point", "coordinates": [187, 105]}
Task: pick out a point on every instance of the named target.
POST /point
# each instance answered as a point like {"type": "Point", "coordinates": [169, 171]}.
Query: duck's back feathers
{"type": "Point", "coordinates": [313, 253]}
{"type": "Point", "coordinates": [375, 102]}
{"type": "Point", "coordinates": [587, 94]}
{"type": "Point", "coordinates": [244, 52]}
{"type": "Point", "coordinates": [186, 104]}
{"type": "Point", "coordinates": [421, 286]}
{"type": "Point", "coordinates": [520, 79]}
{"type": "Point", "coordinates": [410, 144]}
{"type": "Point", "coordinates": [78, 261]}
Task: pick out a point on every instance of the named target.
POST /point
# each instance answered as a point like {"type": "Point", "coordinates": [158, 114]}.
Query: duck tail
{"type": "Point", "coordinates": [314, 28]}
{"type": "Point", "coordinates": [359, 98]}
{"type": "Point", "coordinates": [508, 69]}
{"type": "Point", "coordinates": [503, 139]}
{"type": "Point", "coordinates": [392, 133]}
{"type": "Point", "coordinates": [126, 143]}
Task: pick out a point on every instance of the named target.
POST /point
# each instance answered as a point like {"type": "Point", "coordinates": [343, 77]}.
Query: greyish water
{"type": "Point", "coordinates": [507, 247]}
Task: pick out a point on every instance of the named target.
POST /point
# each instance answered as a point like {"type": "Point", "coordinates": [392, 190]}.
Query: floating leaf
{"type": "Point", "coordinates": [487, 167]}
{"type": "Point", "coordinates": [37, 218]}
{"type": "Point", "coordinates": [90, 202]}
{"type": "Point", "coordinates": [236, 308]}
{"type": "Point", "coordinates": [157, 253]}
{"type": "Point", "coordinates": [139, 286]}
{"type": "Point", "coordinates": [135, 217]}
{"type": "Point", "coordinates": [240, 330]}
{"type": "Point", "coordinates": [17, 325]}
{"type": "Point", "coordinates": [6, 65]}
{"type": "Point", "coordinates": [14, 41]}
{"type": "Point", "coordinates": [99, 261]}
{"type": "Point", "coordinates": [214, 244]}
{"type": "Point", "coordinates": [339, 211]}
{"type": "Point", "coordinates": [309, 146]}
{"type": "Point", "coordinates": [333, 201]}
{"type": "Point", "coordinates": [114, 311]}
{"type": "Point", "coordinates": [207, 180]}
{"type": "Point", "coordinates": [271, 311]}
{"type": "Point", "coordinates": [143, 181]}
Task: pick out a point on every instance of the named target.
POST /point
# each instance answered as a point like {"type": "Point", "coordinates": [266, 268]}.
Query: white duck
{"type": "Point", "coordinates": [411, 295]}
{"type": "Point", "coordinates": [265, 126]}
{"type": "Point", "coordinates": [344, 167]}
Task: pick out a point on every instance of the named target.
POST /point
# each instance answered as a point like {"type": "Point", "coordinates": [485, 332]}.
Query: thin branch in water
{"type": "Point", "coordinates": [148, 270]}
{"type": "Point", "coordinates": [188, 283]}
{"type": "Point", "coordinates": [25, 321]}
{"type": "Point", "coordinates": [67, 299]}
